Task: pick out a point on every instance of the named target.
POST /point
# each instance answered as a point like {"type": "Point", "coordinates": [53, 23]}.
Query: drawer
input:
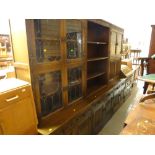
{"type": "Point", "coordinates": [12, 96]}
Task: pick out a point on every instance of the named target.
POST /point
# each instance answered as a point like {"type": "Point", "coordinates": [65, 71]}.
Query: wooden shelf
{"type": "Point", "coordinates": [97, 59]}
{"type": "Point", "coordinates": [98, 43]}
{"type": "Point", "coordinates": [95, 88]}
{"type": "Point", "coordinates": [95, 75]}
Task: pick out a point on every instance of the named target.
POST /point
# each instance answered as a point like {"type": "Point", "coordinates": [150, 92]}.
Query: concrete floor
{"type": "Point", "coordinates": [115, 124]}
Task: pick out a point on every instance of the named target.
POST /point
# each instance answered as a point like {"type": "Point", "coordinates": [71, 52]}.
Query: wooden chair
{"type": "Point", "coordinates": [144, 70]}
{"type": "Point", "coordinates": [135, 54]}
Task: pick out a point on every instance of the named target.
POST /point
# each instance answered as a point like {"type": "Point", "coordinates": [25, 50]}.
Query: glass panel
{"type": "Point", "coordinates": [48, 50]}
{"type": "Point", "coordinates": [47, 28]}
{"type": "Point", "coordinates": [74, 92]}
{"type": "Point", "coordinates": [74, 39]}
{"type": "Point", "coordinates": [47, 40]}
{"type": "Point", "coordinates": [50, 91]}
{"type": "Point", "coordinates": [74, 80]}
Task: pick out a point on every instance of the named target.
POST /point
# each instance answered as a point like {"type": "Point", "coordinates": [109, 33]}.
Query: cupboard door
{"type": "Point", "coordinates": [50, 87]}
{"type": "Point", "coordinates": [74, 83]}
{"type": "Point", "coordinates": [108, 106]}
{"type": "Point", "coordinates": [73, 39]}
{"type": "Point", "coordinates": [113, 43]}
{"type": "Point", "coordinates": [98, 116]}
{"type": "Point", "coordinates": [112, 69]}
{"type": "Point", "coordinates": [84, 123]}
{"type": "Point", "coordinates": [47, 36]}
{"type": "Point", "coordinates": [119, 43]}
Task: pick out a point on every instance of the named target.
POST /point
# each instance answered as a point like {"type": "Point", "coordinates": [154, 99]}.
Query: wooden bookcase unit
{"type": "Point", "coordinates": [72, 69]}
{"type": "Point", "coordinates": [97, 56]}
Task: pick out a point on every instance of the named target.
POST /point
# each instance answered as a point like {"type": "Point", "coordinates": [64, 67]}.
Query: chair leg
{"type": "Point", "coordinates": [146, 84]}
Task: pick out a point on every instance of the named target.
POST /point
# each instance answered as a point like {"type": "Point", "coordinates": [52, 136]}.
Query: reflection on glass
{"type": "Point", "coordinates": [48, 51]}
{"type": "Point", "coordinates": [74, 80]}
{"type": "Point", "coordinates": [74, 92]}
{"type": "Point", "coordinates": [50, 92]}
{"type": "Point", "coordinates": [47, 28]}
{"type": "Point", "coordinates": [74, 39]}
{"type": "Point", "coordinates": [47, 40]}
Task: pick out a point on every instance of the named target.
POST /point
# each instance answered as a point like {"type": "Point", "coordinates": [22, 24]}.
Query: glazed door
{"type": "Point", "coordinates": [74, 59]}
{"type": "Point", "coordinates": [47, 40]}
{"type": "Point", "coordinates": [57, 62]}
{"type": "Point", "coordinates": [47, 59]}
{"type": "Point", "coordinates": [50, 90]}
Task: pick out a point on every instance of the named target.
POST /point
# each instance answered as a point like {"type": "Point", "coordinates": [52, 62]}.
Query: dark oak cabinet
{"type": "Point", "coordinates": [74, 68]}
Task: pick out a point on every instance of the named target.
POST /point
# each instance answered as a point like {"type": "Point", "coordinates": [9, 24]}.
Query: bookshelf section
{"type": "Point", "coordinates": [97, 56]}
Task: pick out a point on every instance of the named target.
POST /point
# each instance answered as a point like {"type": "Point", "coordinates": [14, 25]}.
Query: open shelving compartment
{"type": "Point", "coordinates": [97, 56]}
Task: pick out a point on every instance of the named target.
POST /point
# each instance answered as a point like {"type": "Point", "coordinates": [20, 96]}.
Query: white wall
{"type": "Point", "coordinates": [136, 17]}
{"type": "Point", "coordinates": [4, 26]}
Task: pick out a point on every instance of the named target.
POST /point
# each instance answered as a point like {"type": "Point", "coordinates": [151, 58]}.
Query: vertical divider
{"type": "Point", "coordinates": [64, 62]}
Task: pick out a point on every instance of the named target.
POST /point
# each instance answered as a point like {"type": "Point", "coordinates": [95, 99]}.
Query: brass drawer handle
{"type": "Point", "coordinates": [12, 98]}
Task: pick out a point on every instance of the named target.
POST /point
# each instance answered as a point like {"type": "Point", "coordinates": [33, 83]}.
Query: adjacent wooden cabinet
{"type": "Point", "coordinates": [116, 37]}
{"type": "Point", "coordinates": [97, 56]}
{"type": "Point", "coordinates": [68, 63]}
{"type": "Point", "coordinates": [17, 109]}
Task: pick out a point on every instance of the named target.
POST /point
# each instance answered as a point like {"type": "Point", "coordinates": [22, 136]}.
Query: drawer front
{"type": "Point", "coordinates": [14, 96]}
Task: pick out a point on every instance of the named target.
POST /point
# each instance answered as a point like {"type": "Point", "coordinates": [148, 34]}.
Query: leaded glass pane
{"type": "Point", "coordinates": [47, 33]}
{"type": "Point", "coordinates": [74, 39]}
{"type": "Point", "coordinates": [75, 83]}
{"type": "Point", "coordinates": [47, 28]}
{"type": "Point", "coordinates": [50, 92]}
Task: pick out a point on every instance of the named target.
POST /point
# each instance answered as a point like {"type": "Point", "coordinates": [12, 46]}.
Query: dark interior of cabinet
{"type": "Point", "coordinates": [96, 67]}
{"type": "Point", "coordinates": [97, 56]}
{"type": "Point", "coordinates": [97, 33]}
{"type": "Point", "coordinates": [96, 83]}
{"type": "Point", "coordinates": [97, 50]}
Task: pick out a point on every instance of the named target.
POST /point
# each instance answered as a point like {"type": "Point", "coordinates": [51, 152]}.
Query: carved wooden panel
{"type": "Point", "coordinates": [98, 116]}
{"type": "Point", "coordinates": [84, 123]}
